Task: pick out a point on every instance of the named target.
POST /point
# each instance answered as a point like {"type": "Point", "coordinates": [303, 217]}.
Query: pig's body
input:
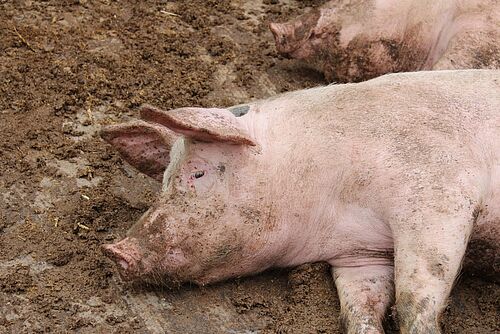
{"type": "Point", "coordinates": [361, 39]}
{"type": "Point", "coordinates": [383, 180]}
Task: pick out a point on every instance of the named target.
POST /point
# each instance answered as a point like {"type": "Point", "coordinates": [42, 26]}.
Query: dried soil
{"type": "Point", "coordinates": [66, 68]}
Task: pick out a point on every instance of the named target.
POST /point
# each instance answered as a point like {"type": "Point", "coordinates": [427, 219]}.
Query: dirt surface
{"type": "Point", "coordinates": [68, 67]}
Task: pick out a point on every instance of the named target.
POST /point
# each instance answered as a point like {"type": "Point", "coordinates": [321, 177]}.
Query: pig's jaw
{"type": "Point", "coordinates": [252, 259]}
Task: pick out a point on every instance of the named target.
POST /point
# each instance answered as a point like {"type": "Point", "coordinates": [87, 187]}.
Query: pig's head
{"type": "Point", "coordinates": [304, 36]}
{"type": "Point", "coordinates": [209, 222]}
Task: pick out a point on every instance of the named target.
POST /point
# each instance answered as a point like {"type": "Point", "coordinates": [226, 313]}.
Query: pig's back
{"type": "Point", "coordinates": [446, 123]}
{"type": "Point", "coordinates": [456, 99]}
{"type": "Point", "coordinates": [426, 107]}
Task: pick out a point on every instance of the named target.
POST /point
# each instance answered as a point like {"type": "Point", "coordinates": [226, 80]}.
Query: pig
{"type": "Point", "coordinates": [355, 40]}
{"type": "Point", "coordinates": [384, 180]}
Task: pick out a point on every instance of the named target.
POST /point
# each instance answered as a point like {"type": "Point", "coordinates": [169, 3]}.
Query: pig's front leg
{"type": "Point", "coordinates": [430, 243]}
{"type": "Point", "coordinates": [365, 292]}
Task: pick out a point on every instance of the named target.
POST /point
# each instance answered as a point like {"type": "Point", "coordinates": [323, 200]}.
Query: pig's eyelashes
{"type": "Point", "coordinates": [199, 174]}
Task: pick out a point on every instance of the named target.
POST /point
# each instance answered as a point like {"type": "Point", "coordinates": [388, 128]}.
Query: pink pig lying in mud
{"type": "Point", "coordinates": [355, 40]}
{"type": "Point", "coordinates": [384, 180]}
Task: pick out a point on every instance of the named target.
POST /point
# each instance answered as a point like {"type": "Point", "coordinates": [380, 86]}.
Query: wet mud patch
{"type": "Point", "coordinates": [69, 67]}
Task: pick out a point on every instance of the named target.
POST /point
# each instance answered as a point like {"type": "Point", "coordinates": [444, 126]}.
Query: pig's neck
{"type": "Point", "coordinates": [315, 211]}
{"type": "Point", "coordinates": [327, 229]}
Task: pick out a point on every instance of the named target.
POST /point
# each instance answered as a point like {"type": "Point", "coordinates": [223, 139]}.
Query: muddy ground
{"type": "Point", "coordinates": [68, 67]}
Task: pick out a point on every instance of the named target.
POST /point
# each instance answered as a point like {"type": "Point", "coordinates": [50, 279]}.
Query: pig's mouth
{"type": "Point", "coordinates": [131, 269]}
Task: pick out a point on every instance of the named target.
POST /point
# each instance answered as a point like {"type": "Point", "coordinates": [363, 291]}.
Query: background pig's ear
{"type": "Point", "coordinates": [204, 124]}
{"type": "Point", "coordinates": [143, 145]}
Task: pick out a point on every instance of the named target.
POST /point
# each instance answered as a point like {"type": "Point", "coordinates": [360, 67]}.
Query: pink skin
{"type": "Point", "coordinates": [377, 185]}
{"type": "Point", "coordinates": [144, 145]}
{"type": "Point", "coordinates": [351, 41]}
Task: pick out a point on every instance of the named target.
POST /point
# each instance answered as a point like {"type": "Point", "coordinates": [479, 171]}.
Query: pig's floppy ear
{"type": "Point", "coordinates": [204, 124]}
{"type": "Point", "coordinates": [143, 145]}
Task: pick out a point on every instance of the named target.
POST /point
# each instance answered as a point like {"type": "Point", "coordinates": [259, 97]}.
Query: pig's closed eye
{"type": "Point", "coordinates": [199, 174]}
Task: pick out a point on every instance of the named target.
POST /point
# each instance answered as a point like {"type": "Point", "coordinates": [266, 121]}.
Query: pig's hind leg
{"type": "Point", "coordinates": [365, 292]}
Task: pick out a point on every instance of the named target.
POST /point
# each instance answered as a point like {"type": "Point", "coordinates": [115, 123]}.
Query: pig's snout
{"type": "Point", "coordinates": [281, 33]}
{"type": "Point", "coordinates": [125, 255]}
{"type": "Point", "coordinates": [278, 32]}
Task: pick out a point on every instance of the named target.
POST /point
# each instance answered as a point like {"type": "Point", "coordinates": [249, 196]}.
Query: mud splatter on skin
{"type": "Point", "coordinates": [437, 269]}
{"type": "Point", "coordinates": [437, 265]}
{"type": "Point", "coordinates": [302, 30]}
{"type": "Point", "coordinates": [250, 215]}
{"type": "Point", "coordinates": [353, 325]}
{"type": "Point", "coordinates": [364, 59]}
{"type": "Point", "coordinates": [408, 306]}
{"type": "Point", "coordinates": [487, 57]}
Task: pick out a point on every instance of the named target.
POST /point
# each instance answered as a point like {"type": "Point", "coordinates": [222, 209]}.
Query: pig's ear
{"type": "Point", "coordinates": [204, 124]}
{"type": "Point", "coordinates": [143, 145]}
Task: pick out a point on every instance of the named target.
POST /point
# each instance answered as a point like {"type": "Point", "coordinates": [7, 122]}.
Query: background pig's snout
{"type": "Point", "coordinates": [275, 29]}
{"type": "Point", "coordinates": [284, 38]}
{"type": "Point", "coordinates": [122, 256]}
{"type": "Point", "coordinates": [279, 34]}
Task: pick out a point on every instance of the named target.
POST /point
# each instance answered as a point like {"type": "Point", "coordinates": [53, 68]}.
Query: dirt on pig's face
{"type": "Point", "coordinates": [204, 227]}
{"type": "Point", "coordinates": [296, 39]}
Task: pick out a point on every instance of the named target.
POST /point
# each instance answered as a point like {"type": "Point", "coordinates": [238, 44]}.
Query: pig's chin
{"type": "Point", "coordinates": [145, 275]}
{"type": "Point", "coordinates": [170, 281]}
{"type": "Point", "coordinates": [155, 280]}
{"type": "Point", "coordinates": [125, 273]}
{"type": "Point", "coordinates": [169, 277]}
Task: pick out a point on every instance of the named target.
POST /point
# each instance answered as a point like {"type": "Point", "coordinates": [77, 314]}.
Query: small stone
{"type": "Point", "coordinates": [94, 302]}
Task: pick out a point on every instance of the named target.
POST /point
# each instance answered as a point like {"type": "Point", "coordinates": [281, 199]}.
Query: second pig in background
{"type": "Point", "coordinates": [352, 41]}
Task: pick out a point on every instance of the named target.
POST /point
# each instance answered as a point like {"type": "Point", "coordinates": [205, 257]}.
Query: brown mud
{"type": "Point", "coordinates": [66, 68]}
